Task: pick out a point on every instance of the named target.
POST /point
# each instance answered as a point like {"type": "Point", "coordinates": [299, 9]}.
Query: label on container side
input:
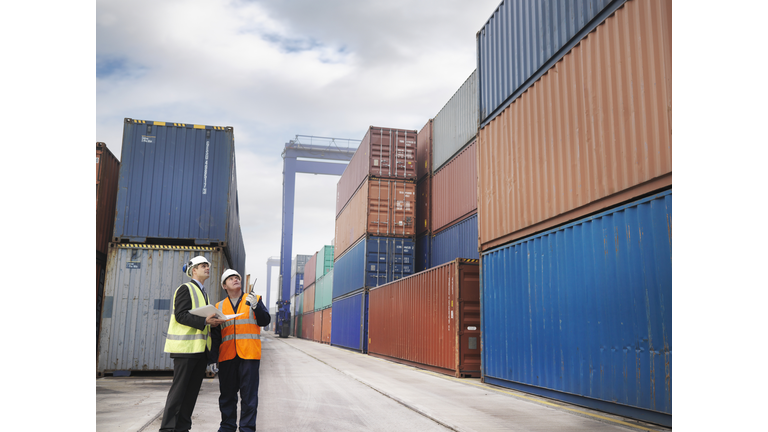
{"type": "Point", "coordinates": [148, 139]}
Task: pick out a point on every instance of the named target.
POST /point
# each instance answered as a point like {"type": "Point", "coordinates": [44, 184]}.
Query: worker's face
{"type": "Point", "coordinates": [201, 272]}
{"type": "Point", "coordinates": [232, 285]}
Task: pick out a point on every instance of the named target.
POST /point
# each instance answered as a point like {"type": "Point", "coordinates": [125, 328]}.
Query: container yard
{"type": "Point", "coordinates": [507, 266]}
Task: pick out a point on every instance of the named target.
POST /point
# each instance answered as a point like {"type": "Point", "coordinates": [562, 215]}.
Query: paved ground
{"type": "Point", "coordinates": [307, 386]}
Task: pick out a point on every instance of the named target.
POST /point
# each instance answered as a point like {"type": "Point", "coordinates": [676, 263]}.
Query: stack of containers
{"type": "Point", "coordinates": [107, 172]}
{"type": "Point", "coordinates": [575, 213]}
{"type": "Point", "coordinates": [323, 293]}
{"type": "Point", "coordinates": [308, 298]}
{"type": "Point", "coordinates": [176, 199]}
{"type": "Point", "coordinates": [453, 209]}
{"type": "Point", "coordinates": [375, 226]}
{"type": "Point", "coordinates": [297, 286]}
{"type": "Point", "coordinates": [423, 196]}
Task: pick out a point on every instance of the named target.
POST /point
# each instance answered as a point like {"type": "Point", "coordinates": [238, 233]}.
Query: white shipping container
{"type": "Point", "coordinates": [138, 294]}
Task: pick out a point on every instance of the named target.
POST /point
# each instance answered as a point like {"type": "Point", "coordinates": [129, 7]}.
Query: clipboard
{"type": "Point", "coordinates": [207, 310]}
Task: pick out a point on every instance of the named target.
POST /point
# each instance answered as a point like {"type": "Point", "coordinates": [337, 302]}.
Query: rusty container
{"type": "Point", "coordinates": [383, 153]}
{"type": "Point", "coordinates": [424, 151]}
{"type": "Point", "coordinates": [107, 176]}
{"type": "Point", "coordinates": [429, 320]}
{"type": "Point", "coordinates": [308, 326]}
{"type": "Point", "coordinates": [325, 333]}
{"type": "Point", "coordinates": [423, 205]}
{"type": "Point", "coordinates": [381, 207]}
{"type": "Point", "coordinates": [309, 299]}
{"type": "Point", "coordinates": [592, 133]}
{"type": "Point", "coordinates": [454, 189]}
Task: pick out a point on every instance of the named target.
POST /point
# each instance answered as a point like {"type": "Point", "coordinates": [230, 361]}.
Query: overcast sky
{"type": "Point", "coordinates": [276, 69]}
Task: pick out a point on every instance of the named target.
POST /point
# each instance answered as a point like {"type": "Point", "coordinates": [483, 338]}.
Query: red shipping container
{"type": "Point", "coordinates": [429, 320]}
{"type": "Point", "coordinates": [309, 271]}
{"type": "Point", "coordinates": [595, 131]}
{"type": "Point", "coordinates": [309, 299]}
{"type": "Point", "coordinates": [317, 330]}
{"type": "Point", "coordinates": [383, 153]}
{"type": "Point", "coordinates": [454, 189]}
{"type": "Point", "coordinates": [107, 176]}
{"type": "Point", "coordinates": [325, 333]}
{"type": "Point", "coordinates": [424, 151]}
{"type": "Point", "coordinates": [308, 326]}
{"type": "Point", "coordinates": [380, 207]}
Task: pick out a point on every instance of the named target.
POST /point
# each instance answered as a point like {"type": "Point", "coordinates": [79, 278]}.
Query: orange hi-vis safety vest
{"type": "Point", "coordinates": [241, 335]}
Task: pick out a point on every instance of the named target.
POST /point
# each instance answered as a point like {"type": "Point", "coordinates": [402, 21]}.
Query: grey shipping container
{"type": "Point", "coordinates": [298, 263]}
{"type": "Point", "coordinates": [178, 182]}
{"type": "Point", "coordinates": [456, 124]}
{"type": "Point", "coordinates": [140, 282]}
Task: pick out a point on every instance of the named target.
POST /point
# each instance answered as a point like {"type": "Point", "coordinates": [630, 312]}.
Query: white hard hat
{"type": "Point", "coordinates": [193, 262]}
{"type": "Point", "coordinates": [228, 273]}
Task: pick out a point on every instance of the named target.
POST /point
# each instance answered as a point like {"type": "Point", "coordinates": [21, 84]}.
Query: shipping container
{"type": "Point", "coordinates": [138, 294]}
{"type": "Point", "coordinates": [308, 326]}
{"type": "Point", "coordinates": [298, 263]}
{"type": "Point", "coordinates": [430, 320]}
{"type": "Point", "coordinates": [325, 333]}
{"type": "Point", "coordinates": [455, 125]}
{"type": "Point", "coordinates": [422, 246]}
{"type": "Point", "coordinates": [424, 205]}
{"type": "Point", "coordinates": [456, 241]}
{"type": "Point", "coordinates": [454, 189]}
{"type": "Point", "coordinates": [371, 262]}
{"type": "Point", "coordinates": [324, 261]}
{"type": "Point", "coordinates": [297, 284]}
{"type": "Point", "coordinates": [317, 328]}
{"type": "Point", "coordinates": [309, 269]}
{"type": "Point", "coordinates": [424, 151]}
{"type": "Point", "coordinates": [349, 327]}
{"type": "Point", "coordinates": [324, 291]}
{"type": "Point", "coordinates": [583, 312]}
{"type": "Point", "coordinates": [309, 298]}
{"type": "Point", "coordinates": [107, 174]}
{"type": "Point", "coordinates": [299, 312]}
{"type": "Point", "coordinates": [523, 39]}
{"type": "Point", "coordinates": [594, 132]}
{"type": "Point", "coordinates": [380, 208]}
{"type": "Point", "coordinates": [178, 182]}
{"type": "Point", "coordinates": [383, 153]}
{"type": "Point", "coordinates": [101, 268]}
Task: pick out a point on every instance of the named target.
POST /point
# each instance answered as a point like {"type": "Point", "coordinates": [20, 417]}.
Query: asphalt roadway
{"type": "Point", "coordinates": [308, 386]}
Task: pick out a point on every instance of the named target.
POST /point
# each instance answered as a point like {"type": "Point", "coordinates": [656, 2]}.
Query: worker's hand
{"type": "Point", "coordinates": [251, 299]}
{"type": "Point", "coordinates": [212, 368]}
{"type": "Point", "coordinates": [213, 321]}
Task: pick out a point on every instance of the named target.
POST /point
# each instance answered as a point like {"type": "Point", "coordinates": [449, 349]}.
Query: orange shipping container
{"type": "Point", "coordinates": [381, 207]}
{"type": "Point", "coordinates": [454, 189]}
{"type": "Point", "coordinates": [309, 299]}
{"type": "Point", "coordinates": [318, 326]}
{"type": "Point", "coordinates": [326, 330]}
{"type": "Point", "coordinates": [308, 326]}
{"type": "Point", "coordinates": [429, 320]}
{"type": "Point", "coordinates": [593, 132]}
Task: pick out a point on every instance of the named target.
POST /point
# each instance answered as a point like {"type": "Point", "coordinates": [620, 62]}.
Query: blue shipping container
{"type": "Point", "coordinates": [457, 241]}
{"type": "Point", "coordinates": [583, 312]}
{"type": "Point", "coordinates": [373, 261]}
{"type": "Point", "coordinates": [523, 39]}
{"type": "Point", "coordinates": [349, 322]}
{"type": "Point", "coordinates": [297, 284]}
{"type": "Point", "coordinates": [178, 182]}
{"type": "Point", "coordinates": [422, 252]}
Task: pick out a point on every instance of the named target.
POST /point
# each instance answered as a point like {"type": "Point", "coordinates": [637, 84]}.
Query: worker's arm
{"type": "Point", "coordinates": [213, 354]}
{"type": "Point", "coordinates": [182, 307]}
{"type": "Point", "coordinates": [262, 314]}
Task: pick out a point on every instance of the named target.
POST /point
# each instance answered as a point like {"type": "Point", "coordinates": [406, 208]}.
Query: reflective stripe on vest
{"type": "Point", "coordinates": [182, 339]}
{"type": "Point", "coordinates": [240, 336]}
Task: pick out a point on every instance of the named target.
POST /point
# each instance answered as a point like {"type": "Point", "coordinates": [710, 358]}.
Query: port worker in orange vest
{"type": "Point", "coordinates": [236, 347]}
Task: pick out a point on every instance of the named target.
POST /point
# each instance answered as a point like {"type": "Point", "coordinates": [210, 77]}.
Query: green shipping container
{"type": "Point", "coordinates": [324, 262]}
{"type": "Point", "coordinates": [324, 290]}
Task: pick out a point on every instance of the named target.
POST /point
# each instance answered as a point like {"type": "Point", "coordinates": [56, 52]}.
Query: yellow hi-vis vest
{"type": "Point", "coordinates": [240, 336]}
{"type": "Point", "coordinates": [184, 339]}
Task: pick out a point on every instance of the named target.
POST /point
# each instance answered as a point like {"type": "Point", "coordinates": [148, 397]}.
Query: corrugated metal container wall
{"type": "Point", "coordinates": [297, 283]}
{"type": "Point", "coordinates": [348, 323]}
{"type": "Point", "coordinates": [308, 326]}
{"type": "Point", "coordinates": [298, 263]}
{"type": "Point", "coordinates": [107, 173]}
{"type": "Point", "coordinates": [430, 319]}
{"type": "Point", "coordinates": [457, 241]}
{"type": "Point", "coordinates": [380, 208]}
{"type": "Point", "coordinates": [423, 204]}
{"type": "Point", "coordinates": [138, 296]}
{"type": "Point", "coordinates": [317, 329]}
{"type": "Point", "coordinates": [179, 182]}
{"type": "Point", "coordinates": [454, 189]}
{"type": "Point", "coordinates": [101, 275]}
{"type": "Point", "coordinates": [373, 261]}
{"type": "Point", "coordinates": [324, 291]}
{"type": "Point", "coordinates": [324, 261]}
{"type": "Point", "coordinates": [586, 309]}
{"type": "Point", "coordinates": [383, 153]}
{"type": "Point", "coordinates": [422, 246]}
{"type": "Point", "coordinates": [522, 40]}
{"type": "Point", "coordinates": [299, 312]}
{"type": "Point", "coordinates": [424, 151]}
{"type": "Point", "coordinates": [325, 335]}
{"type": "Point", "coordinates": [593, 133]}
{"type": "Point", "coordinates": [456, 124]}
{"type": "Point", "coordinates": [309, 298]}
{"type": "Point", "coordinates": [309, 270]}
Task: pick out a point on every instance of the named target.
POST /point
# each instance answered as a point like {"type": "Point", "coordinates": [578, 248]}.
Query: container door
{"type": "Point", "coordinates": [469, 321]}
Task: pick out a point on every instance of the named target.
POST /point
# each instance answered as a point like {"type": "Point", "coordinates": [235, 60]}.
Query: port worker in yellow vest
{"type": "Point", "coordinates": [189, 343]}
{"type": "Point", "coordinates": [236, 347]}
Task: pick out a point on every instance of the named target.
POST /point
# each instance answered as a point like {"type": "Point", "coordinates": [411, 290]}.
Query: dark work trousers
{"type": "Point", "coordinates": [243, 376]}
{"type": "Point", "coordinates": [188, 374]}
